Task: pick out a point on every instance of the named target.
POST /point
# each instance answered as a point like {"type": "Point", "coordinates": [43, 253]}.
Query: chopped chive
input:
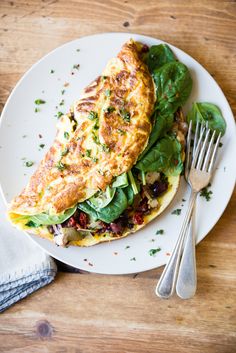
{"type": "Point", "coordinates": [36, 110]}
{"type": "Point", "coordinates": [60, 166]}
{"type": "Point", "coordinates": [92, 115]}
{"type": "Point", "coordinates": [64, 152]}
{"type": "Point", "coordinates": [66, 135]}
{"type": "Point", "coordinates": [62, 102]}
{"type": "Point", "coordinates": [63, 91]}
{"type": "Point", "coordinates": [59, 114]}
{"type": "Point", "coordinates": [88, 153]}
{"type": "Point", "coordinates": [177, 211]}
{"type": "Point", "coordinates": [160, 231]}
{"type": "Point", "coordinates": [52, 71]}
{"type": "Point", "coordinates": [39, 101]}
{"type": "Point", "coordinates": [152, 252]}
{"type": "Point", "coordinates": [42, 145]}
{"type": "Point", "coordinates": [78, 49]}
{"type": "Point", "coordinates": [133, 259]}
{"type": "Point", "coordinates": [121, 132]}
{"type": "Point", "coordinates": [108, 92]}
{"type": "Point", "coordinates": [28, 164]}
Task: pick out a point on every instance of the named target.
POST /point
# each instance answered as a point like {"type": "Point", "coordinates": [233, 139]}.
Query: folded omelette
{"type": "Point", "coordinates": [117, 157]}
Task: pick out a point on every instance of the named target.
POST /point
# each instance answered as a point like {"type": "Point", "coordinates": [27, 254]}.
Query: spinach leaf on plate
{"type": "Point", "coordinates": [159, 55]}
{"type": "Point", "coordinates": [164, 156]}
{"type": "Point", "coordinates": [161, 125]}
{"type": "Point", "coordinates": [109, 213]}
{"type": "Point", "coordinates": [207, 112]}
{"type": "Point", "coordinates": [173, 87]}
{"type": "Point", "coordinates": [46, 219]}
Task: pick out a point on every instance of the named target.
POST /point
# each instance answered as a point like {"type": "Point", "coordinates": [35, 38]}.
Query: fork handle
{"type": "Point", "coordinates": [187, 277]}
{"type": "Point", "coordinates": [166, 284]}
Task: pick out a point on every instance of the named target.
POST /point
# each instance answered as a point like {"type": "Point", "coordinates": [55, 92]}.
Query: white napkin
{"type": "Point", "coordinates": [24, 267]}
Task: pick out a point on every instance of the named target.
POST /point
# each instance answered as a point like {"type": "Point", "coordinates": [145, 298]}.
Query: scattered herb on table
{"type": "Point", "coordinates": [177, 211]}
{"type": "Point", "coordinates": [153, 252]}
{"type": "Point", "coordinates": [160, 231]}
{"type": "Point", "coordinates": [39, 101]}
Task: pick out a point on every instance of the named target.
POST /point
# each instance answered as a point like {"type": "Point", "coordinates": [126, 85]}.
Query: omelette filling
{"type": "Point", "coordinates": [130, 197]}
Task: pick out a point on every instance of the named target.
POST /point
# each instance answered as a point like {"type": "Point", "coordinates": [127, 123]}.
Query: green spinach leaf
{"type": "Point", "coordinates": [85, 207]}
{"type": "Point", "coordinates": [162, 124]}
{"type": "Point", "coordinates": [207, 112]}
{"type": "Point", "coordinates": [159, 55]}
{"type": "Point", "coordinates": [46, 219]}
{"type": "Point", "coordinates": [164, 156]}
{"type": "Point", "coordinates": [102, 199]}
{"type": "Point", "coordinates": [173, 86]}
{"type": "Point", "coordinates": [121, 181]}
{"type": "Point", "coordinates": [129, 194]}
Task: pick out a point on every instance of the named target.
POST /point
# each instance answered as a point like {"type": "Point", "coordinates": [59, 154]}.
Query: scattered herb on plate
{"type": "Point", "coordinates": [52, 71]}
{"type": "Point", "coordinates": [152, 252]}
{"type": "Point", "coordinates": [39, 101]}
{"type": "Point", "coordinates": [133, 259]}
{"type": "Point", "coordinates": [160, 231]}
{"type": "Point", "coordinates": [28, 163]}
{"type": "Point", "coordinates": [177, 211]}
{"type": "Point", "coordinates": [206, 193]}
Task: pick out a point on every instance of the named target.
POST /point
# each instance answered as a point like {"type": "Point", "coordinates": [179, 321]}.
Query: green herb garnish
{"type": "Point", "coordinates": [206, 193]}
{"type": "Point", "coordinates": [121, 132]}
{"type": "Point", "coordinates": [64, 152]}
{"type": "Point", "coordinates": [36, 110]}
{"type": "Point", "coordinates": [108, 92]}
{"type": "Point", "coordinates": [76, 66]}
{"type": "Point", "coordinates": [62, 102]}
{"type": "Point", "coordinates": [39, 101]}
{"type": "Point", "coordinates": [66, 135]}
{"type": "Point", "coordinates": [94, 159]}
{"type": "Point", "coordinates": [105, 148]}
{"type": "Point", "coordinates": [160, 231]}
{"type": "Point", "coordinates": [59, 114]}
{"type": "Point", "coordinates": [153, 252]}
{"type": "Point", "coordinates": [177, 211]}
{"type": "Point", "coordinates": [63, 91]}
{"type": "Point", "coordinates": [125, 115]}
{"type": "Point", "coordinates": [28, 164]}
{"type": "Point", "coordinates": [92, 115]}
{"type": "Point", "coordinates": [88, 153]}
{"type": "Point", "coordinates": [52, 72]}
{"type": "Point", "coordinates": [110, 110]}
{"type": "Point", "coordinates": [133, 259]}
{"type": "Point", "coordinates": [60, 166]}
{"type": "Point", "coordinates": [42, 145]}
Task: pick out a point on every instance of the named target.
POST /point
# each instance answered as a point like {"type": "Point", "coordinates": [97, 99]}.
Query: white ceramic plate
{"type": "Point", "coordinates": [22, 131]}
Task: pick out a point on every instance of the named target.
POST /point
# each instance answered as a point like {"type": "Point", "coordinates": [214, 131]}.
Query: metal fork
{"type": "Point", "coordinates": [186, 284]}
{"type": "Point", "coordinates": [199, 177]}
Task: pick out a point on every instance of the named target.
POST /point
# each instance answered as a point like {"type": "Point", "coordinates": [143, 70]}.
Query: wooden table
{"type": "Point", "coordinates": [93, 313]}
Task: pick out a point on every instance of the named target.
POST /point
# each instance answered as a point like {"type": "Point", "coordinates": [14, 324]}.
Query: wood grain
{"type": "Point", "coordinates": [86, 313]}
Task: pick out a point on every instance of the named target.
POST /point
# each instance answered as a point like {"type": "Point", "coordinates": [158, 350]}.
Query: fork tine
{"type": "Point", "coordinates": [195, 157]}
{"type": "Point", "coordinates": [188, 149]}
{"type": "Point", "coordinates": [196, 138]}
{"type": "Point", "coordinates": [203, 150]}
{"type": "Point", "coordinates": [209, 152]}
{"type": "Point", "coordinates": [213, 157]}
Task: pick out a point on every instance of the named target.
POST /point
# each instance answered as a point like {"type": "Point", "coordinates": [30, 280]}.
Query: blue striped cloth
{"type": "Point", "coordinates": [24, 267]}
